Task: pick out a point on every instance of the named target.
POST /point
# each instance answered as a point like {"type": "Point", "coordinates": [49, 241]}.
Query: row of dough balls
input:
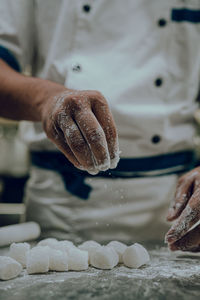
{"type": "Point", "coordinates": [53, 255]}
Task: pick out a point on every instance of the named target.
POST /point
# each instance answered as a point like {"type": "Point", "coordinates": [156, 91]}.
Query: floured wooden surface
{"type": "Point", "coordinates": [166, 277]}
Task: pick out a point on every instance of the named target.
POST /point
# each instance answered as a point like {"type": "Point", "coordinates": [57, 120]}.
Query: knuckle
{"type": "Point", "coordinates": [99, 98]}
{"type": "Point", "coordinates": [71, 102]}
{"type": "Point", "coordinates": [60, 118]}
{"type": "Point", "coordinates": [98, 94]}
{"type": "Point", "coordinates": [94, 94]}
{"type": "Point", "coordinates": [76, 104]}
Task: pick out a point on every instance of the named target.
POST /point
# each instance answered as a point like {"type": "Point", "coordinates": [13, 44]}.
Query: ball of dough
{"type": "Point", "coordinates": [58, 260]}
{"type": "Point", "coordinates": [48, 242]}
{"type": "Point", "coordinates": [18, 251]}
{"type": "Point", "coordinates": [135, 256]}
{"type": "Point", "coordinates": [38, 260]}
{"type": "Point", "coordinates": [78, 259]}
{"type": "Point", "coordinates": [63, 246]}
{"type": "Point", "coordinates": [104, 258]}
{"type": "Point", "coordinates": [9, 268]}
{"type": "Point", "coordinates": [90, 247]}
{"type": "Point", "coordinates": [89, 244]}
{"type": "Point", "coordinates": [119, 248]}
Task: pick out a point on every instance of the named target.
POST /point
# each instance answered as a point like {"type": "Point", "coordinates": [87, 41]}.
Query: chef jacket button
{"type": "Point", "coordinates": [162, 22]}
{"type": "Point", "coordinates": [158, 82]}
{"type": "Point", "coordinates": [77, 68]}
{"type": "Point", "coordinates": [156, 139]}
{"type": "Point", "coordinates": [86, 8]}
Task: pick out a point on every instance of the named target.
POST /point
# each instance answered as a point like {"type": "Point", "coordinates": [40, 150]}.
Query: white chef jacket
{"type": "Point", "coordinates": [144, 57]}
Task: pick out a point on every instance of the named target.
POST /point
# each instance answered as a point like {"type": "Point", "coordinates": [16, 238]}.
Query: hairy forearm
{"type": "Point", "coordinates": [22, 97]}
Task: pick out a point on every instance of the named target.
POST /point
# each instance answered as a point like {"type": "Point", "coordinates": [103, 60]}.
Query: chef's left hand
{"type": "Point", "coordinates": [186, 212]}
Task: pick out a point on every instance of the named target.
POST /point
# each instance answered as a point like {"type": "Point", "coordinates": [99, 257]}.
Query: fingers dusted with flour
{"type": "Point", "coordinates": [81, 125]}
{"type": "Point", "coordinates": [189, 217]}
{"type": "Point", "coordinates": [56, 135]}
{"type": "Point", "coordinates": [186, 212]}
{"type": "Point", "coordinates": [105, 119]}
{"type": "Point", "coordinates": [75, 140]}
{"type": "Point", "coordinates": [95, 138]}
{"type": "Point", "coordinates": [183, 193]}
{"type": "Point", "coordinates": [189, 242]}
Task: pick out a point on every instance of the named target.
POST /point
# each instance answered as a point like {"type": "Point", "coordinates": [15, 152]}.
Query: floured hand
{"type": "Point", "coordinates": [186, 211]}
{"type": "Point", "coordinates": [82, 127]}
{"type": "Point", "coordinates": [78, 122]}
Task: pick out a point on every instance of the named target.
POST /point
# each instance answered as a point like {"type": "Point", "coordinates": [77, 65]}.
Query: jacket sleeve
{"type": "Point", "coordinates": [17, 33]}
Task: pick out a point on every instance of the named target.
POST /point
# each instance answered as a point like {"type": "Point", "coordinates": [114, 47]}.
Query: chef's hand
{"type": "Point", "coordinates": [78, 122]}
{"type": "Point", "coordinates": [186, 212]}
{"type": "Point", "coordinates": [82, 127]}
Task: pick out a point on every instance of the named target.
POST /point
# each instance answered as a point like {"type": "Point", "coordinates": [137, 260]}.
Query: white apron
{"type": "Point", "coordinates": [118, 209]}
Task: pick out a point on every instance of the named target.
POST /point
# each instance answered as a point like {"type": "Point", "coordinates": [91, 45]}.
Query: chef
{"type": "Point", "coordinates": [107, 78]}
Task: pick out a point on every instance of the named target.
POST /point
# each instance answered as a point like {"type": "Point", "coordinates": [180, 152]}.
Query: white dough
{"type": "Point", "coordinates": [58, 260]}
{"type": "Point", "coordinates": [18, 251]}
{"type": "Point", "coordinates": [48, 242]}
{"type": "Point", "coordinates": [78, 259]}
{"type": "Point", "coordinates": [89, 244]}
{"type": "Point", "coordinates": [119, 248]}
{"type": "Point", "coordinates": [63, 246]}
{"type": "Point", "coordinates": [9, 268]}
{"type": "Point", "coordinates": [135, 256]}
{"type": "Point", "coordinates": [104, 258]}
{"type": "Point", "coordinates": [38, 260]}
{"type": "Point", "coordinates": [90, 247]}
{"type": "Point", "coordinates": [55, 244]}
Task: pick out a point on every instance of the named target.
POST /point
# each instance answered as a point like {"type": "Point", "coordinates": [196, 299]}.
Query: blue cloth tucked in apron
{"type": "Point", "coordinates": [9, 58]}
{"type": "Point", "coordinates": [73, 178]}
{"type": "Point", "coordinates": [185, 15]}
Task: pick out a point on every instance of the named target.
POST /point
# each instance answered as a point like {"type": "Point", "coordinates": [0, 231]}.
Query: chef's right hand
{"type": "Point", "coordinates": [186, 211]}
{"type": "Point", "coordinates": [82, 127]}
{"type": "Point", "coordinates": [78, 122]}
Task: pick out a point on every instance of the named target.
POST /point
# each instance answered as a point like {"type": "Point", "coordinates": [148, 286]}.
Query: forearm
{"type": "Point", "coordinates": [21, 97]}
